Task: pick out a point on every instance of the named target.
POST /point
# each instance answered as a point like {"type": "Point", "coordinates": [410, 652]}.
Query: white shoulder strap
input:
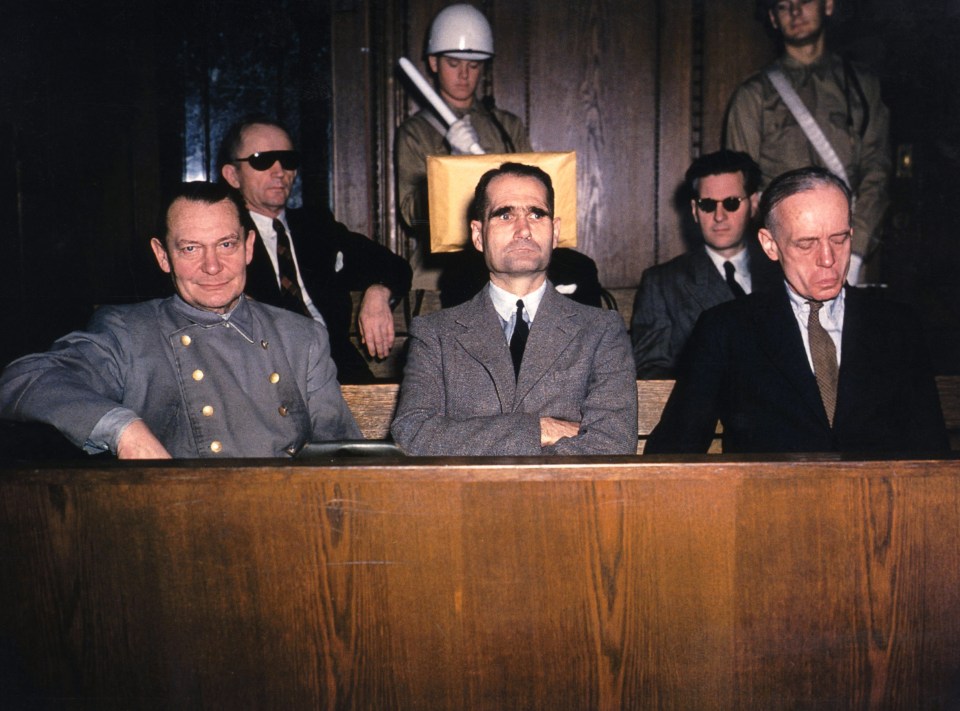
{"type": "Point", "coordinates": [807, 123]}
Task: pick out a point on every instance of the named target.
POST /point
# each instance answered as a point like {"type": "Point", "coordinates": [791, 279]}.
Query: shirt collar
{"type": "Point", "coordinates": [802, 72]}
{"type": "Point", "coordinates": [265, 224]}
{"type": "Point", "coordinates": [505, 303]}
{"type": "Point", "coordinates": [740, 261]}
{"type": "Point", "coordinates": [239, 315]}
{"type": "Point", "coordinates": [830, 313]}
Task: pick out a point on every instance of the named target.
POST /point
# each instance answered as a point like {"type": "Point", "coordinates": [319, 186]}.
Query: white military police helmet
{"type": "Point", "coordinates": [461, 31]}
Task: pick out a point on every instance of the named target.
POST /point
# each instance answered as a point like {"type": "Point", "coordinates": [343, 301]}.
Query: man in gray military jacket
{"type": "Point", "coordinates": [519, 369]}
{"type": "Point", "coordinates": [205, 373]}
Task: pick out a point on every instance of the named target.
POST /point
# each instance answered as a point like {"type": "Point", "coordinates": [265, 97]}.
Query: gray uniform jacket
{"type": "Point", "coordinates": [259, 384]}
{"type": "Point", "coordinates": [459, 395]}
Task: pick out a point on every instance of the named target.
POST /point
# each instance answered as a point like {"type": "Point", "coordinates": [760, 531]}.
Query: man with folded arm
{"type": "Point", "coordinates": [519, 369]}
{"type": "Point", "coordinates": [814, 367]}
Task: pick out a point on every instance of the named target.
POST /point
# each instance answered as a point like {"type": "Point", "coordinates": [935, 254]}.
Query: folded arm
{"type": "Point", "coordinates": [608, 422]}
{"type": "Point", "coordinates": [422, 425]}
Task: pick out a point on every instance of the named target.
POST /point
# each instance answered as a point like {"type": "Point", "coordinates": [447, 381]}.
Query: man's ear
{"type": "Point", "coordinates": [160, 252]}
{"type": "Point", "coordinates": [476, 233]}
{"type": "Point", "coordinates": [556, 232]}
{"type": "Point", "coordinates": [229, 173]}
{"type": "Point", "coordinates": [693, 209]}
{"type": "Point", "coordinates": [773, 19]}
{"type": "Point", "coordinates": [754, 203]}
{"type": "Point", "coordinates": [248, 245]}
{"type": "Point", "coordinates": [768, 244]}
{"type": "Point", "coordinates": [828, 8]}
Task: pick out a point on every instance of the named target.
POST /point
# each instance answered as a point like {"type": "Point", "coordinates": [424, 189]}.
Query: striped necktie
{"type": "Point", "coordinates": [289, 285]}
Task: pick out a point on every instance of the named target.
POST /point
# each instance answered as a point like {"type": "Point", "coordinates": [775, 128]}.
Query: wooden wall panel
{"type": "Point", "coordinates": [351, 116]}
{"type": "Point", "coordinates": [735, 45]}
{"type": "Point", "coordinates": [674, 98]}
{"type": "Point", "coordinates": [593, 74]}
{"type": "Point", "coordinates": [510, 79]}
{"type": "Point", "coordinates": [564, 583]}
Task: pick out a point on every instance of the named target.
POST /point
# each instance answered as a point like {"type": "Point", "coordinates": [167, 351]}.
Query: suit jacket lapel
{"type": "Point", "coordinates": [261, 277]}
{"type": "Point", "coordinates": [705, 286]}
{"type": "Point", "coordinates": [550, 334]}
{"type": "Point", "coordinates": [482, 339]}
{"type": "Point", "coordinates": [857, 343]}
{"type": "Point", "coordinates": [779, 335]}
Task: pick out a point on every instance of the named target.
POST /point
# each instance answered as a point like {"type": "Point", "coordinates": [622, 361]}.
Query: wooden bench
{"type": "Point", "coordinates": [374, 407]}
{"type": "Point", "coordinates": [484, 584]}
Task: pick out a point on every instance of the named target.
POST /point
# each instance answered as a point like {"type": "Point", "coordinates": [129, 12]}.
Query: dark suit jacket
{"type": "Point", "coordinates": [318, 240]}
{"type": "Point", "coordinates": [460, 396]}
{"type": "Point", "coordinates": [746, 365]}
{"type": "Point", "coordinates": [673, 295]}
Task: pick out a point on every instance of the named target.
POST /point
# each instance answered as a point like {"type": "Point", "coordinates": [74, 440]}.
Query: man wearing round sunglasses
{"type": "Point", "coordinates": [306, 261]}
{"type": "Point", "coordinates": [729, 264]}
{"type": "Point", "coordinates": [812, 367]}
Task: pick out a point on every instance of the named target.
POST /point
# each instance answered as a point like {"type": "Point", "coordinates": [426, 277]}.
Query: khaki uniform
{"type": "Point", "coordinates": [760, 124]}
{"type": "Point", "coordinates": [418, 138]}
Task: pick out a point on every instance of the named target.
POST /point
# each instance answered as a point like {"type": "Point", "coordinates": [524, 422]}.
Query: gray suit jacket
{"type": "Point", "coordinates": [671, 298]}
{"type": "Point", "coordinates": [261, 384]}
{"type": "Point", "coordinates": [459, 395]}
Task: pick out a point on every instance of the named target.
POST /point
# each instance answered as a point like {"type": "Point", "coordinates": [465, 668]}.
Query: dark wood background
{"type": "Point", "coordinates": [106, 102]}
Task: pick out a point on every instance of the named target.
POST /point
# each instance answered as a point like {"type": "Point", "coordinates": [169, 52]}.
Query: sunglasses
{"type": "Point", "coordinates": [730, 204]}
{"type": "Point", "coordinates": [264, 160]}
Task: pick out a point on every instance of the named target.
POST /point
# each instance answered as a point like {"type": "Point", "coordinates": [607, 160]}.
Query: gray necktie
{"type": "Point", "coordinates": [824, 354]}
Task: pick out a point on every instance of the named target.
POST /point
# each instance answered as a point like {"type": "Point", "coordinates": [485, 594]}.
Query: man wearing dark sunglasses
{"type": "Point", "coordinates": [812, 367]}
{"type": "Point", "coordinates": [723, 189]}
{"type": "Point", "coordinates": [306, 261]}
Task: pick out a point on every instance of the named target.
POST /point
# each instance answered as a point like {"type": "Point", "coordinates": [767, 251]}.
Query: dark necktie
{"type": "Point", "coordinates": [519, 339]}
{"type": "Point", "coordinates": [824, 354]}
{"type": "Point", "coordinates": [289, 286]}
{"type": "Point", "coordinates": [730, 271]}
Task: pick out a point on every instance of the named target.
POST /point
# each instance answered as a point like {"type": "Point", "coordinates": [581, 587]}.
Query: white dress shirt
{"type": "Point", "coordinates": [831, 318]}
{"type": "Point", "coordinates": [505, 305]}
{"type": "Point", "coordinates": [741, 263]}
{"type": "Point", "coordinates": [269, 236]}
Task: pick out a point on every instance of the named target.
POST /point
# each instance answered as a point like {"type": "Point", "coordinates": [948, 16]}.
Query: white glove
{"type": "Point", "coordinates": [463, 138]}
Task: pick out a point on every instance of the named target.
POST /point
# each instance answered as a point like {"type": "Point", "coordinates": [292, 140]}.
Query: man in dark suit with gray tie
{"type": "Point", "coordinates": [519, 369]}
{"type": "Point", "coordinates": [815, 367]}
{"type": "Point", "coordinates": [723, 199]}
